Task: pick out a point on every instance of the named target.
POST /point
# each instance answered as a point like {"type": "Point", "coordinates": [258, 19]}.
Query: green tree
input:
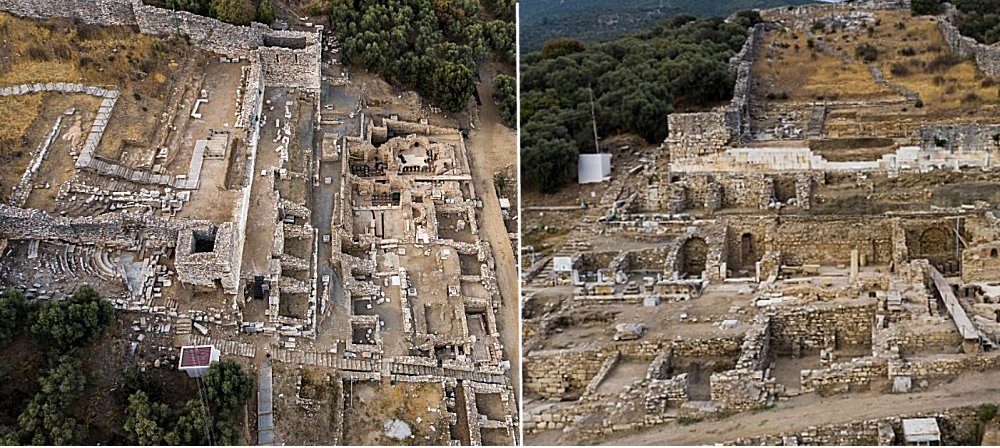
{"type": "Point", "coordinates": [505, 95]}
{"type": "Point", "coordinates": [142, 381]}
{"type": "Point", "coordinates": [13, 314]}
{"type": "Point", "coordinates": [228, 386]}
{"type": "Point", "coordinates": [78, 321]}
{"type": "Point", "coordinates": [561, 47]}
{"type": "Point", "coordinates": [236, 12]}
{"type": "Point", "coordinates": [145, 420]}
{"type": "Point", "coordinates": [190, 427]}
{"type": "Point", "coordinates": [195, 6]}
{"type": "Point", "coordinates": [451, 86]}
{"type": "Point", "coordinates": [925, 7]}
{"type": "Point", "coordinates": [44, 422]}
{"type": "Point", "coordinates": [265, 12]}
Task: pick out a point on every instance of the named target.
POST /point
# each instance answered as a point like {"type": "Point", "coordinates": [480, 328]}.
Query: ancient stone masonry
{"type": "Point", "coordinates": [100, 12]}
{"type": "Point", "coordinates": [116, 230]}
{"type": "Point", "coordinates": [823, 326]}
{"type": "Point", "coordinates": [987, 57]}
{"type": "Point", "coordinates": [882, 432]}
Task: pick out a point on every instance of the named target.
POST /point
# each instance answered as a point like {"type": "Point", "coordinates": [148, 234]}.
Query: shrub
{"type": "Point", "coordinates": [919, 104]}
{"type": "Point", "coordinates": [899, 70]}
{"type": "Point", "coordinates": [866, 52]}
{"type": "Point", "coordinates": [908, 51]}
{"type": "Point", "coordinates": [943, 62]}
{"type": "Point", "coordinates": [38, 53]}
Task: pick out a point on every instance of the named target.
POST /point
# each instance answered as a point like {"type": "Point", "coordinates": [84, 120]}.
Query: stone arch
{"type": "Point", "coordinates": [692, 257]}
{"type": "Point", "coordinates": [936, 241]}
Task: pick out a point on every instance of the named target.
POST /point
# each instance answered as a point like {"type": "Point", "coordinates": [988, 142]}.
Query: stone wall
{"type": "Point", "coordinates": [118, 230]}
{"type": "Point", "coordinates": [987, 57]}
{"type": "Point", "coordinates": [958, 427]}
{"type": "Point", "coordinates": [844, 376]}
{"type": "Point", "coordinates": [97, 12]}
{"type": "Point", "coordinates": [981, 263]}
{"type": "Point", "coordinates": [823, 326]}
{"type": "Point", "coordinates": [727, 190]}
{"type": "Point", "coordinates": [943, 366]}
{"type": "Point", "coordinates": [283, 66]}
{"type": "Point", "coordinates": [565, 373]}
{"type": "Point", "coordinates": [960, 137]}
{"type": "Point", "coordinates": [696, 134]}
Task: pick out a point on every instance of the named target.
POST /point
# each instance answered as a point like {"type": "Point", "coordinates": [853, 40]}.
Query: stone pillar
{"type": "Point", "coordinates": [854, 265]}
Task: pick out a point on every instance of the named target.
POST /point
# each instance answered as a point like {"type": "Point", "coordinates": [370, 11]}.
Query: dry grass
{"type": "Point", "coordinates": [811, 74]}
{"type": "Point", "coordinates": [922, 35]}
{"type": "Point", "coordinates": [57, 50]}
{"type": "Point", "coordinates": [911, 53]}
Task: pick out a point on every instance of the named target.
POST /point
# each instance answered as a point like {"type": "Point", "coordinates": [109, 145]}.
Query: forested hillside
{"type": "Point", "coordinates": [636, 81]}
{"type": "Point", "coordinates": [592, 20]}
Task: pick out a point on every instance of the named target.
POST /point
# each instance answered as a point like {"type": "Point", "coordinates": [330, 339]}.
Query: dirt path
{"type": "Point", "coordinates": [492, 147]}
{"type": "Point", "coordinates": [810, 410]}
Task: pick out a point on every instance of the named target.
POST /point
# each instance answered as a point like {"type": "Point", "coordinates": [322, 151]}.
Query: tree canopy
{"type": "Point", "coordinates": [635, 81]}
{"type": "Point", "coordinates": [78, 321]}
{"type": "Point", "coordinates": [505, 95]}
{"type": "Point", "coordinates": [432, 46]}
{"type": "Point", "coordinates": [13, 314]}
{"type": "Point", "coordinates": [227, 386]}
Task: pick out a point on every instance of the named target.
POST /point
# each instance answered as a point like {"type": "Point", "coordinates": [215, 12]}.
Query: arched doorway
{"type": "Point", "coordinates": [692, 258]}
{"type": "Point", "coordinates": [747, 250]}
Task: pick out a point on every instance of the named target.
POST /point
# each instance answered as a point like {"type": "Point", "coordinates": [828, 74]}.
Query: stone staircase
{"type": "Point", "coordinates": [325, 359]}
{"type": "Point", "coordinates": [227, 347]}
{"type": "Point", "coordinates": [816, 121]}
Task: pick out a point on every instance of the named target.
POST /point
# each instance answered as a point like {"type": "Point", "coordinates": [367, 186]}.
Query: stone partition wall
{"type": "Point", "coordinates": [844, 376]}
{"type": "Point", "coordinates": [566, 372]}
{"type": "Point", "coordinates": [823, 326]}
{"type": "Point", "coordinates": [830, 241]}
{"type": "Point", "coordinates": [943, 366]}
{"type": "Point", "coordinates": [987, 57]}
{"type": "Point", "coordinates": [561, 373]}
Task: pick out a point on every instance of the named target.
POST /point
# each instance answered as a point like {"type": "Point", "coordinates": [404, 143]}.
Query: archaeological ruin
{"type": "Point", "coordinates": [260, 208]}
{"type": "Point", "coordinates": [828, 236]}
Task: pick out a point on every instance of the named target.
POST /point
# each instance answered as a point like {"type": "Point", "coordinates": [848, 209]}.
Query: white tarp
{"type": "Point", "coordinates": [593, 168]}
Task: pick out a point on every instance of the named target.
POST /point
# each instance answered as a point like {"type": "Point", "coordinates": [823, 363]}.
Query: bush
{"type": "Point", "coordinates": [866, 52]}
{"type": "Point", "coordinates": [38, 53]}
{"type": "Point", "coordinates": [899, 70]}
{"type": "Point", "coordinates": [908, 51]}
{"type": "Point", "coordinates": [943, 62]}
{"type": "Point", "coordinates": [919, 104]}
